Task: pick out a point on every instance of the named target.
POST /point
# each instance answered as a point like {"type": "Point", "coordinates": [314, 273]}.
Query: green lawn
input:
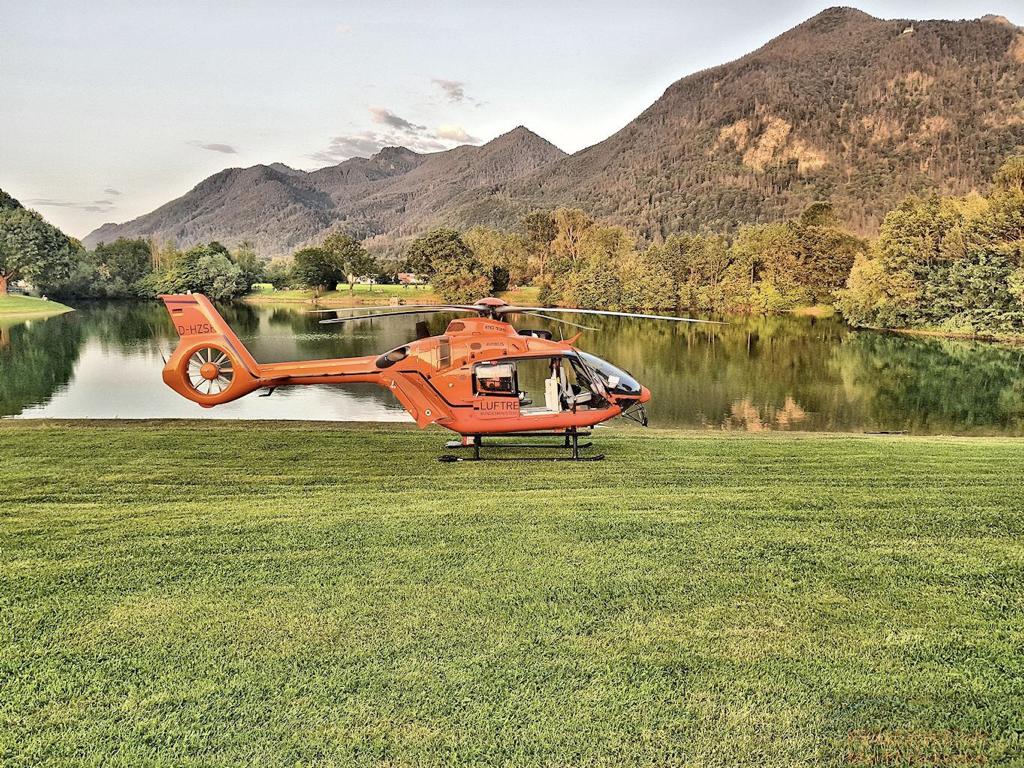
{"type": "Point", "coordinates": [361, 294]}
{"type": "Point", "coordinates": [11, 304]}
{"type": "Point", "coordinates": [275, 594]}
{"type": "Point", "coordinates": [376, 294]}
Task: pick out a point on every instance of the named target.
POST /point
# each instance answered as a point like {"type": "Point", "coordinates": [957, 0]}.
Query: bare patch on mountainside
{"type": "Point", "coordinates": [1016, 49]}
{"type": "Point", "coordinates": [774, 144]}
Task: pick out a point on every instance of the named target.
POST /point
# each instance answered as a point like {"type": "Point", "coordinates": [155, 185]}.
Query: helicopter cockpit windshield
{"type": "Point", "coordinates": [614, 380]}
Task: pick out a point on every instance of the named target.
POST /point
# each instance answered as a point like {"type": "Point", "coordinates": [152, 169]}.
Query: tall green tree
{"type": "Point", "coordinates": [505, 254]}
{"type": "Point", "coordinates": [318, 268]}
{"type": "Point", "coordinates": [824, 253]}
{"type": "Point", "coordinates": [539, 231]}
{"type": "Point", "coordinates": [455, 273]}
{"type": "Point", "coordinates": [203, 269]}
{"type": "Point", "coordinates": [352, 257]}
{"type": "Point", "coordinates": [571, 227]}
{"type": "Point", "coordinates": [278, 273]}
{"type": "Point", "coordinates": [646, 285]}
{"type": "Point", "coordinates": [593, 279]}
{"type": "Point", "coordinates": [32, 249]}
{"type": "Point", "coordinates": [252, 267]}
{"type": "Point", "coordinates": [696, 265]}
{"type": "Point", "coordinates": [121, 268]}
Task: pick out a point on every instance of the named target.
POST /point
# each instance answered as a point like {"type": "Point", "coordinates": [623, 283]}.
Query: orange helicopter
{"type": "Point", "coordinates": [472, 379]}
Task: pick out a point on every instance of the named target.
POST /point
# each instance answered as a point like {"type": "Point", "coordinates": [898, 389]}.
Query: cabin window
{"type": "Point", "coordinates": [495, 379]}
{"type": "Point", "coordinates": [549, 385]}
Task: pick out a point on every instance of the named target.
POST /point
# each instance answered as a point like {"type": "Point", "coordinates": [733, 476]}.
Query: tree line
{"type": "Point", "coordinates": [578, 261]}
{"type": "Point", "coordinates": [33, 250]}
{"type": "Point", "coordinates": [951, 263]}
{"type": "Point", "coordinates": [954, 264]}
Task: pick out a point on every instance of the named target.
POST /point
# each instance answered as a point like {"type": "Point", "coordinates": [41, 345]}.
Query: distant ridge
{"type": "Point", "coordinates": [278, 208]}
{"type": "Point", "coordinates": [845, 107]}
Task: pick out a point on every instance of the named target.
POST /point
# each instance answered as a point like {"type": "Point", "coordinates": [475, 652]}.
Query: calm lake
{"type": "Point", "coordinates": [780, 373]}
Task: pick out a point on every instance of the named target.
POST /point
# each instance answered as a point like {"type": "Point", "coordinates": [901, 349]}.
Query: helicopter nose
{"type": "Point", "coordinates": [645, 394]}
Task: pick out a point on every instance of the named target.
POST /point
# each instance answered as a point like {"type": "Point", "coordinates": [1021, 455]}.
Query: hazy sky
{"type": "Point", "coordinates": [109, 109]}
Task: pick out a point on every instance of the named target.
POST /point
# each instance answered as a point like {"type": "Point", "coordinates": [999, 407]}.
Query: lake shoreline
{"type": "Point", "coordinates": [934, 333]}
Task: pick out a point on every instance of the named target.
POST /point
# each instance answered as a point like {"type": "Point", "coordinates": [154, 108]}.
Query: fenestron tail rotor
{"type": "Point", "coordinates": [210, 371]}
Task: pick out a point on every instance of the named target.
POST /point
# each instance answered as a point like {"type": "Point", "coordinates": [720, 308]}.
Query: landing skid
{"type": "Point", "coordinates": [571, 441]}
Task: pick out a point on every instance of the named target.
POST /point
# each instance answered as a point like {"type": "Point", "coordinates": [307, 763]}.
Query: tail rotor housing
{"type": "Point", "coordinates": [210, 365]}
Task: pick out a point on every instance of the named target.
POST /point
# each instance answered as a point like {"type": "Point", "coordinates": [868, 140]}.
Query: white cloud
{"type": "Point", "coordinates": [454, 90]}
{"type": "Point", "coordinates": [397, 132]}
{"type": "Point", "coordinates": [456, 133]}
{"type": "Point", "coordinates": [390, 119]}
{"type": "Point", "coordinates": [225, 149]}
{"type": "Point", "coordinates": [95, 206]}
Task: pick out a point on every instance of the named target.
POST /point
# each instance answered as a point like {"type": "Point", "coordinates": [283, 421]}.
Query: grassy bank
{"type": "Point", "coordinates": [373, 295]}
{"type": "Point", "coordinates": [940, 333]}
{"type": "Point", "coordinates": [27, 306]}
{"type": "Point", "coordinates": [279, 594]}
{"type": "Point", "coordinates": [369, 295]}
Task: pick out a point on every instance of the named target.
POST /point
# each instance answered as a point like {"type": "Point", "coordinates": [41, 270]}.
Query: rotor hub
{"type": "Point", "coordinates": [209, 371]}
{"type": "Point", "coordinates": [491, 301]}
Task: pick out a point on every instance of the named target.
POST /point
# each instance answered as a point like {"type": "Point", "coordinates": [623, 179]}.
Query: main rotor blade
{"type": "Point", "coordinates": [392, 314]}
{"type": "Point", "coordinates": [559, 320]}
{"type": "Point", "coordinates": [508, 309]}
{"type": "Point", "coordinates": [396, 306]}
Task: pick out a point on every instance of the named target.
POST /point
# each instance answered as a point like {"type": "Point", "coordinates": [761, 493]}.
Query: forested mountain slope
{"type": "Point", "coordinates": [845, 107]}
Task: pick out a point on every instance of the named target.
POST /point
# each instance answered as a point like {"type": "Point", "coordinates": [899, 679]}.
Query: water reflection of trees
{"type": "Point", "coordinates": [117, 325]}
{"type": "Point", "coordinates": [38, 357]}
{"type": "Point", "coordinates": [752, 374]}
{"type": "Point", "coordinates": [934, 385]}
{"type": "Point", "coordinates": [773, 372]}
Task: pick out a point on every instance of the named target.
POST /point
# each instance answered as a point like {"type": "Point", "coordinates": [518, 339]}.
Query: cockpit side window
{"type": "Point", "coordinates": [495, 379]}
{"type": "Point", "coordinates": [394, 356]}
{"type": "Point", "coordinates": [615, 380]}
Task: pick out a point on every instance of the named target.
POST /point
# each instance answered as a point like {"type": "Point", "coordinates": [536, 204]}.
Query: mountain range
{"type": "Point", "coordinates": [844, 107]}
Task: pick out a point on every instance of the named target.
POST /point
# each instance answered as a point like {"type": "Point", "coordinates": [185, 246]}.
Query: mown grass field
{"type": "Point", "coordinates": [11, 304]}
{"type": "Point", "coordinates": [277, 594]}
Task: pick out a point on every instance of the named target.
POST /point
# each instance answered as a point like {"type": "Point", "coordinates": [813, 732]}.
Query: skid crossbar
{"type": "Point", "coordinates": [570, 440]}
